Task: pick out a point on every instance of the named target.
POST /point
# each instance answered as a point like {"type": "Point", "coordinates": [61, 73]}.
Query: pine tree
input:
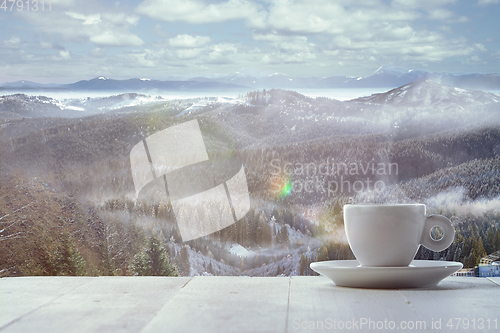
{"type": "Point", "coordinates": [264, 233]}
{"type": "Point", "coordinates": [302, 263]}
{"type": "Point", "coordinates": [282, 236]}
{"type": "Point", "coordinates": [322, 253]}
{"type": "Point", "coordinates": [154, 261]}
{"type": "Point", "coordinates": [491, 238]}
{"type": "Point", "coordinates": [67, 259]}
{"type": "Point", "coordinates": [209, 268]}
{"type": "Point", "coordinates": [182, 261]}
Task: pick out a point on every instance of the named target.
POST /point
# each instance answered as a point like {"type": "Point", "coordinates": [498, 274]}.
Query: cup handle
{"type": "Point", "coordinates": [449, 233]}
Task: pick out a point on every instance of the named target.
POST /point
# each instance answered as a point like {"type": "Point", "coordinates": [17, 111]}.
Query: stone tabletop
{"type": "Point", "coordinates": [243, 304]}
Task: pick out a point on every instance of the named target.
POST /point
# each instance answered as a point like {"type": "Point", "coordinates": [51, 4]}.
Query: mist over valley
{"type": "Point", "coordinates": [67, 180]}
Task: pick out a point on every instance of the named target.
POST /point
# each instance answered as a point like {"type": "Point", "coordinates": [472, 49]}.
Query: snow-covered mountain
{"type": "Point", "coordinates": [20, 106]}
{"type": "Point", "coordinates": [393, 76]}
{"type": "Point", "coordinates": [390, 75]}
{"type": "Point", "coordinates": [24, 84]}
{"type": "Point", "coordinates": [102, 83]}
{"type": "Point", "coordinates": [144, 85]}
{"type": "Point", "coordinates": [387, 76]}
{"type": "Point", "coordinates": [24, 106]}
{"type": "Point", "coordinates": [425, 93]}
{"type": "Point", "coordinates": [428, 93]}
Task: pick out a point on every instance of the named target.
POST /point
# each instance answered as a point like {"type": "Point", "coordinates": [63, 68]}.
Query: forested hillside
{"type": "Point", "coordinates": [68, 202]}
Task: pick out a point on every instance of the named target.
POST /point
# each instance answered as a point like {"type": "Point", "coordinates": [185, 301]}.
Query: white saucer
{"type": "Point", "coordinates": [420, 273]}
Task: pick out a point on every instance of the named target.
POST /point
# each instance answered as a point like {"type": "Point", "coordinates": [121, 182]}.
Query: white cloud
{"type": "Point", "coordinates": [112, 38]}
{"type": "Point", "coordinates": [480, 47]}
{"type": "Point", "coordinates": [268, 37]}
{"type": "Point", "coordinates": [188, 53]}
{"type": "Point", "coordinates": [199, 12]}
{"type": "Point", "coordinates": [144, 59]}
{"type": "Point", "coordinates": [120, 19]}
{"type": "Point", "coordinates": [46, 45]}
{"type": "Point", "coordinates": [63, 55]}
{"type": "Point", "coordinates": [306, 17]}
{"type": "Point", "coordinates": [187, 41]}
{"type": "Point", "coordinates": [373, 30]}
{"type": "Point", "coordinates": [422, 3]}
{"type": "Point", "coordinates": [87, 19]}
{"type": "Point", "coordinates": [440, 14]}
{"type": "Point", "coordinates": [12, 43]}
{"type": "Point", "coordinates": [446, 28]}
{"type": "Point", "coordinates": [159, 31]}
{"type": "Point", "coordinates": [322, 16]}
{"type": "Point", "coordinates": [221, 53]}
{"type": "Point", "coordinates": [98, 52]}
{"type": "Point", "coordinates": [62, 3]}
{"type": "Point", "coordinates": [422, 47]}
{"type": "Point", "coordinates": [287, 49]}
{"type": "Point", "coordinates": [194, 58]}
{"type": "Point", "coordinates": [290, 42]}
{"type": "Point", "coordinates": [170, 10]}
{"type": "Point", "coordinates": [487, 2]}
{"type": "Point", "coordinates": [103, 28]}
{"type": "Point", "coordinates": [474, 60]}
{"type": "Point", "coordinates": [353, 34]}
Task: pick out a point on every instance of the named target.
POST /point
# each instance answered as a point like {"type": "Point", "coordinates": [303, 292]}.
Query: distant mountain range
{"type": "Point", "coordinates": [418, 94]}
{"type": "Point", "coordinates": [387, 76]}
{"type": "Point", "coordinates": [131, 85]}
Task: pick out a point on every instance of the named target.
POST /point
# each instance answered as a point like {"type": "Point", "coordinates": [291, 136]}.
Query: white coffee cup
{"type": "Point", "coordinates": [390, 235]}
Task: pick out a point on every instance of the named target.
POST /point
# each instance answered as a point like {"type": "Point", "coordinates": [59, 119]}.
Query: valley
{"type": "Point", "coordinates": [68, 200]}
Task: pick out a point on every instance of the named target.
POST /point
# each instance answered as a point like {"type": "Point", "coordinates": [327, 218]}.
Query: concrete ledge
{"type": "Point", "coordinates": [495, 280]}
{"type": "Point", "coordinates": [234, 304]}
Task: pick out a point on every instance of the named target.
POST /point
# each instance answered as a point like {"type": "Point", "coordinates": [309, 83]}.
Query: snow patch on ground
{"type": "Point", "coordinates": [74, 108]}
{"type": "Point", "coordinates": [202, 103]}
{"type": "Point", "coordinates": [288, 266]}
{"type": "Point", "coordinates": [200, 265]}
{"type": "Point", "coordinates": [240, 251]}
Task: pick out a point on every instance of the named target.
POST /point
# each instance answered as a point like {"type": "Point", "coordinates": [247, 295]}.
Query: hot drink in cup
{"type": "Point", "coordinates": [390, 235]}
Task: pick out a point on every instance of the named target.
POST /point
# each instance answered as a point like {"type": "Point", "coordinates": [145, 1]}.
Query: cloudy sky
{"type": "Point", "coordinates": [72, 40]}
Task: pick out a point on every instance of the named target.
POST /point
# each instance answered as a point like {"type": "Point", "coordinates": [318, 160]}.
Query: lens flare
{"type": "Point", "coordinates": [287, 189]}
{"type": "Point", "coordinates": [281, 186]}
